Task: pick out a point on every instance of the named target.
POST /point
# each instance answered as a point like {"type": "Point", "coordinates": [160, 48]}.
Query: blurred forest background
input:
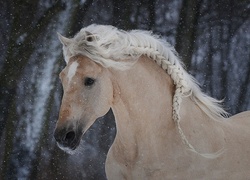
{"type": "Point", "coordinates": [211, 36]}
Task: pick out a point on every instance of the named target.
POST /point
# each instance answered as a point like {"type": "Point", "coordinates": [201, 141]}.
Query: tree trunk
{"type": "Point", "coordinates": [186, 30]}
{"type": "Point", "coordinates": [17, 56]}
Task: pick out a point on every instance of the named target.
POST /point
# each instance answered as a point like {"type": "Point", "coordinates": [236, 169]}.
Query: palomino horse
{"type": "Point", "coordinates": [166, 127]}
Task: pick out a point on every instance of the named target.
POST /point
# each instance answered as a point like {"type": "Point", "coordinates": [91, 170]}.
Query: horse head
{"type": "Point", "coordinates": [88, 95]}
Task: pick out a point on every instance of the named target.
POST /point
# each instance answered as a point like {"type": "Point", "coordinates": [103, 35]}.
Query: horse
{"type": "Point", "coordinates": [167, 128]}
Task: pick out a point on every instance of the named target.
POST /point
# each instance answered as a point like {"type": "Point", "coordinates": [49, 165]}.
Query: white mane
{"type": "Point", "coordinates": [120, 49]}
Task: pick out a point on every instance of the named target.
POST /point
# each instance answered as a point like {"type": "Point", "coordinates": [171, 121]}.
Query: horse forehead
{"type": "Point", "coordinates": [82, 66]}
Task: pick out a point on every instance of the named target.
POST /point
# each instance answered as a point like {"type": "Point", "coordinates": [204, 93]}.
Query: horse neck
{"type": "Point", "coordinates": [145, 100]}
{"type": "Point", "coordinates": [143, 111]}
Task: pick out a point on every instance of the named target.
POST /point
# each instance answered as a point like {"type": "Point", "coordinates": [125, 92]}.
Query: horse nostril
{"type": "Point", "coordinates": [66, 138]}
{"type": "Point", "coordinates": [69, 137]}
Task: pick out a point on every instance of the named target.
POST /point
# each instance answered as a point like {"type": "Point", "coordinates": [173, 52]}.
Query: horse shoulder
{"type": "Point", "coordinates": [121, 159]}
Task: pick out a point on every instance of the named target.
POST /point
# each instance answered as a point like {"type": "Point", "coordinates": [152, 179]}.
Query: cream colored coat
{"type": "Point", "coordinates": [147, 144]}
{"type": "Point", "coordinates": [166, 127]}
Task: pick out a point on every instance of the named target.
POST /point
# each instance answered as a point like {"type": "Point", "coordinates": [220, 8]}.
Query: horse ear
{"type": "Point", "coordinates": [65, 41]}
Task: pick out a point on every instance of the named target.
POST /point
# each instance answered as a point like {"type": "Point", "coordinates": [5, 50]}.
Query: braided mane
{"type": "Point", "coordinates": [120, 49]}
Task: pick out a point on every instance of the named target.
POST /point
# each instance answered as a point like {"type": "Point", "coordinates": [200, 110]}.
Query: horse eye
{"type": "Point", "coordinates": [89, 39]}
{"type": "Point", "coordinates": [89, 81]}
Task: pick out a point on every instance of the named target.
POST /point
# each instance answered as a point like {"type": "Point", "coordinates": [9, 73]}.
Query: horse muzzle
{"type": "Point", "coordinates": [68, 139]}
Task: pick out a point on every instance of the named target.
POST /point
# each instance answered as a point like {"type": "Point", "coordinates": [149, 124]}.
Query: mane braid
{"type": "Point", "coordinates": [120, 49]}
